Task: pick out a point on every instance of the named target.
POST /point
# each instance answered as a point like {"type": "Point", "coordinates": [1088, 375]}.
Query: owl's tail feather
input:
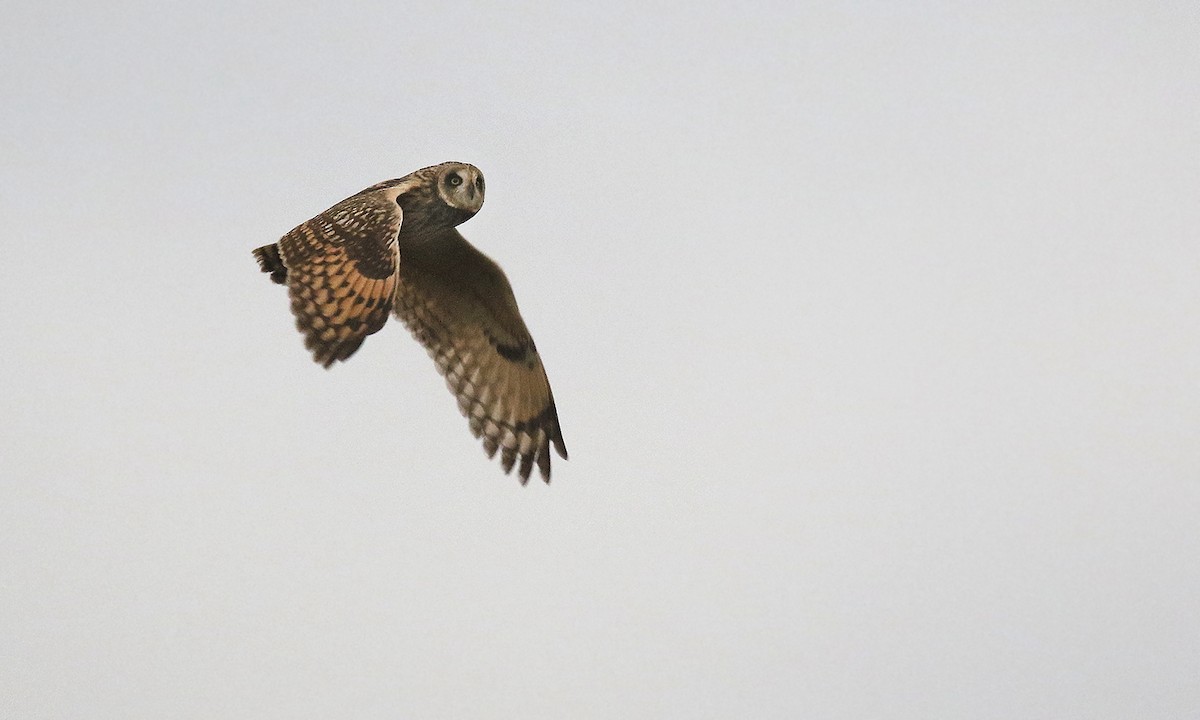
{"type": "Point", "coordinates": [270, 262]}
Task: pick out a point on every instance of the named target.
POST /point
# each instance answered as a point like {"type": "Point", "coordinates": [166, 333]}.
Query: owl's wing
{"type": "Point", "coordinates": [460, 306]}
{"type": "Point", "coordinates": [340, 271]}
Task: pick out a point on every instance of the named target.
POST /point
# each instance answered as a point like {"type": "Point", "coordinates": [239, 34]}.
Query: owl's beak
{"type": "Point", "coordinates": [474, 193]}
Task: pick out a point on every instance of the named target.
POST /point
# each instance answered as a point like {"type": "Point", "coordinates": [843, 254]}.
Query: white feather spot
{"type": "Point", "coordinates": [510, 439]}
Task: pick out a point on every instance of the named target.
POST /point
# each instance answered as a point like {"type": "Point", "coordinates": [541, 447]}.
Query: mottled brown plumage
{"type": "Point", "coordinates": [340, 270]}
{"type": "Point", "coordinates": [394, 247]}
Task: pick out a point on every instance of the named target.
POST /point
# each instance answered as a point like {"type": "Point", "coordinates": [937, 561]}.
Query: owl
{"type": "Point", "coordinates": [393, 249]}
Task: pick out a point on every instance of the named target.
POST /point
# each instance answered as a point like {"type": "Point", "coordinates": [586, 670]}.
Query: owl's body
{"type": "Point", "coordinates": [394, 248]}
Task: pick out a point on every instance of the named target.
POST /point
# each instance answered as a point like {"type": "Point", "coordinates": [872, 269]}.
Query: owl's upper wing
{"type": "Point", "coordinates": [459, 305]}
{"type": "Point", "coordinates": [340, 271]}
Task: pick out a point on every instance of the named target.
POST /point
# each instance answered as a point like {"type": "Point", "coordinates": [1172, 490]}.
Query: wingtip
{"type": "Point", "coordinates": [508, 457]}
{"type": "Point", "coordinates": [526, 467]}
{"type": "Point", "coordinates": [326, 354]}
{"type": "Point", "coordinates": [269, 261]}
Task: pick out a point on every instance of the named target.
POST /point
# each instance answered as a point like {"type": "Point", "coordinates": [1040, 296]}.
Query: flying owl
{"type": "Point", "coordinates": [393, 249]}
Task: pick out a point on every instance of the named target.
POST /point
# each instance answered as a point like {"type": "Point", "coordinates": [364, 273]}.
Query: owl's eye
{"type": "Point", "coordinates": [479, 184]}
{"type": "Point", "coordinates": [454, 181]}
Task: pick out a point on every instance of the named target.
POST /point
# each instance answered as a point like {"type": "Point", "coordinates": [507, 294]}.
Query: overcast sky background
{"type": "Point", "coordinates": [875, 336]}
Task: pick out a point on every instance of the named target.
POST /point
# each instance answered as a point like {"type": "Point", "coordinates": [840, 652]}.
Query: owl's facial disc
{"type": "Point", "coordinates": [461, 186]}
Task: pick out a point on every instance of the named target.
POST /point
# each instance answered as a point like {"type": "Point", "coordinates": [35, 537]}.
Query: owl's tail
{"type": "Point", "coordinates": [270, 262]}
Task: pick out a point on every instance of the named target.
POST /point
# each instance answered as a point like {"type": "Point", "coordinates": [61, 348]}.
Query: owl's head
{"type": "Point", "coordinates": [439, 196]}
{"type": "Point", "coordinates": [460, 186]}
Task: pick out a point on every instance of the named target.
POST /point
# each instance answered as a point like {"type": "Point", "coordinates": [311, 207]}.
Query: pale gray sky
{"type": "Point", "coordinates": [875, 335]}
